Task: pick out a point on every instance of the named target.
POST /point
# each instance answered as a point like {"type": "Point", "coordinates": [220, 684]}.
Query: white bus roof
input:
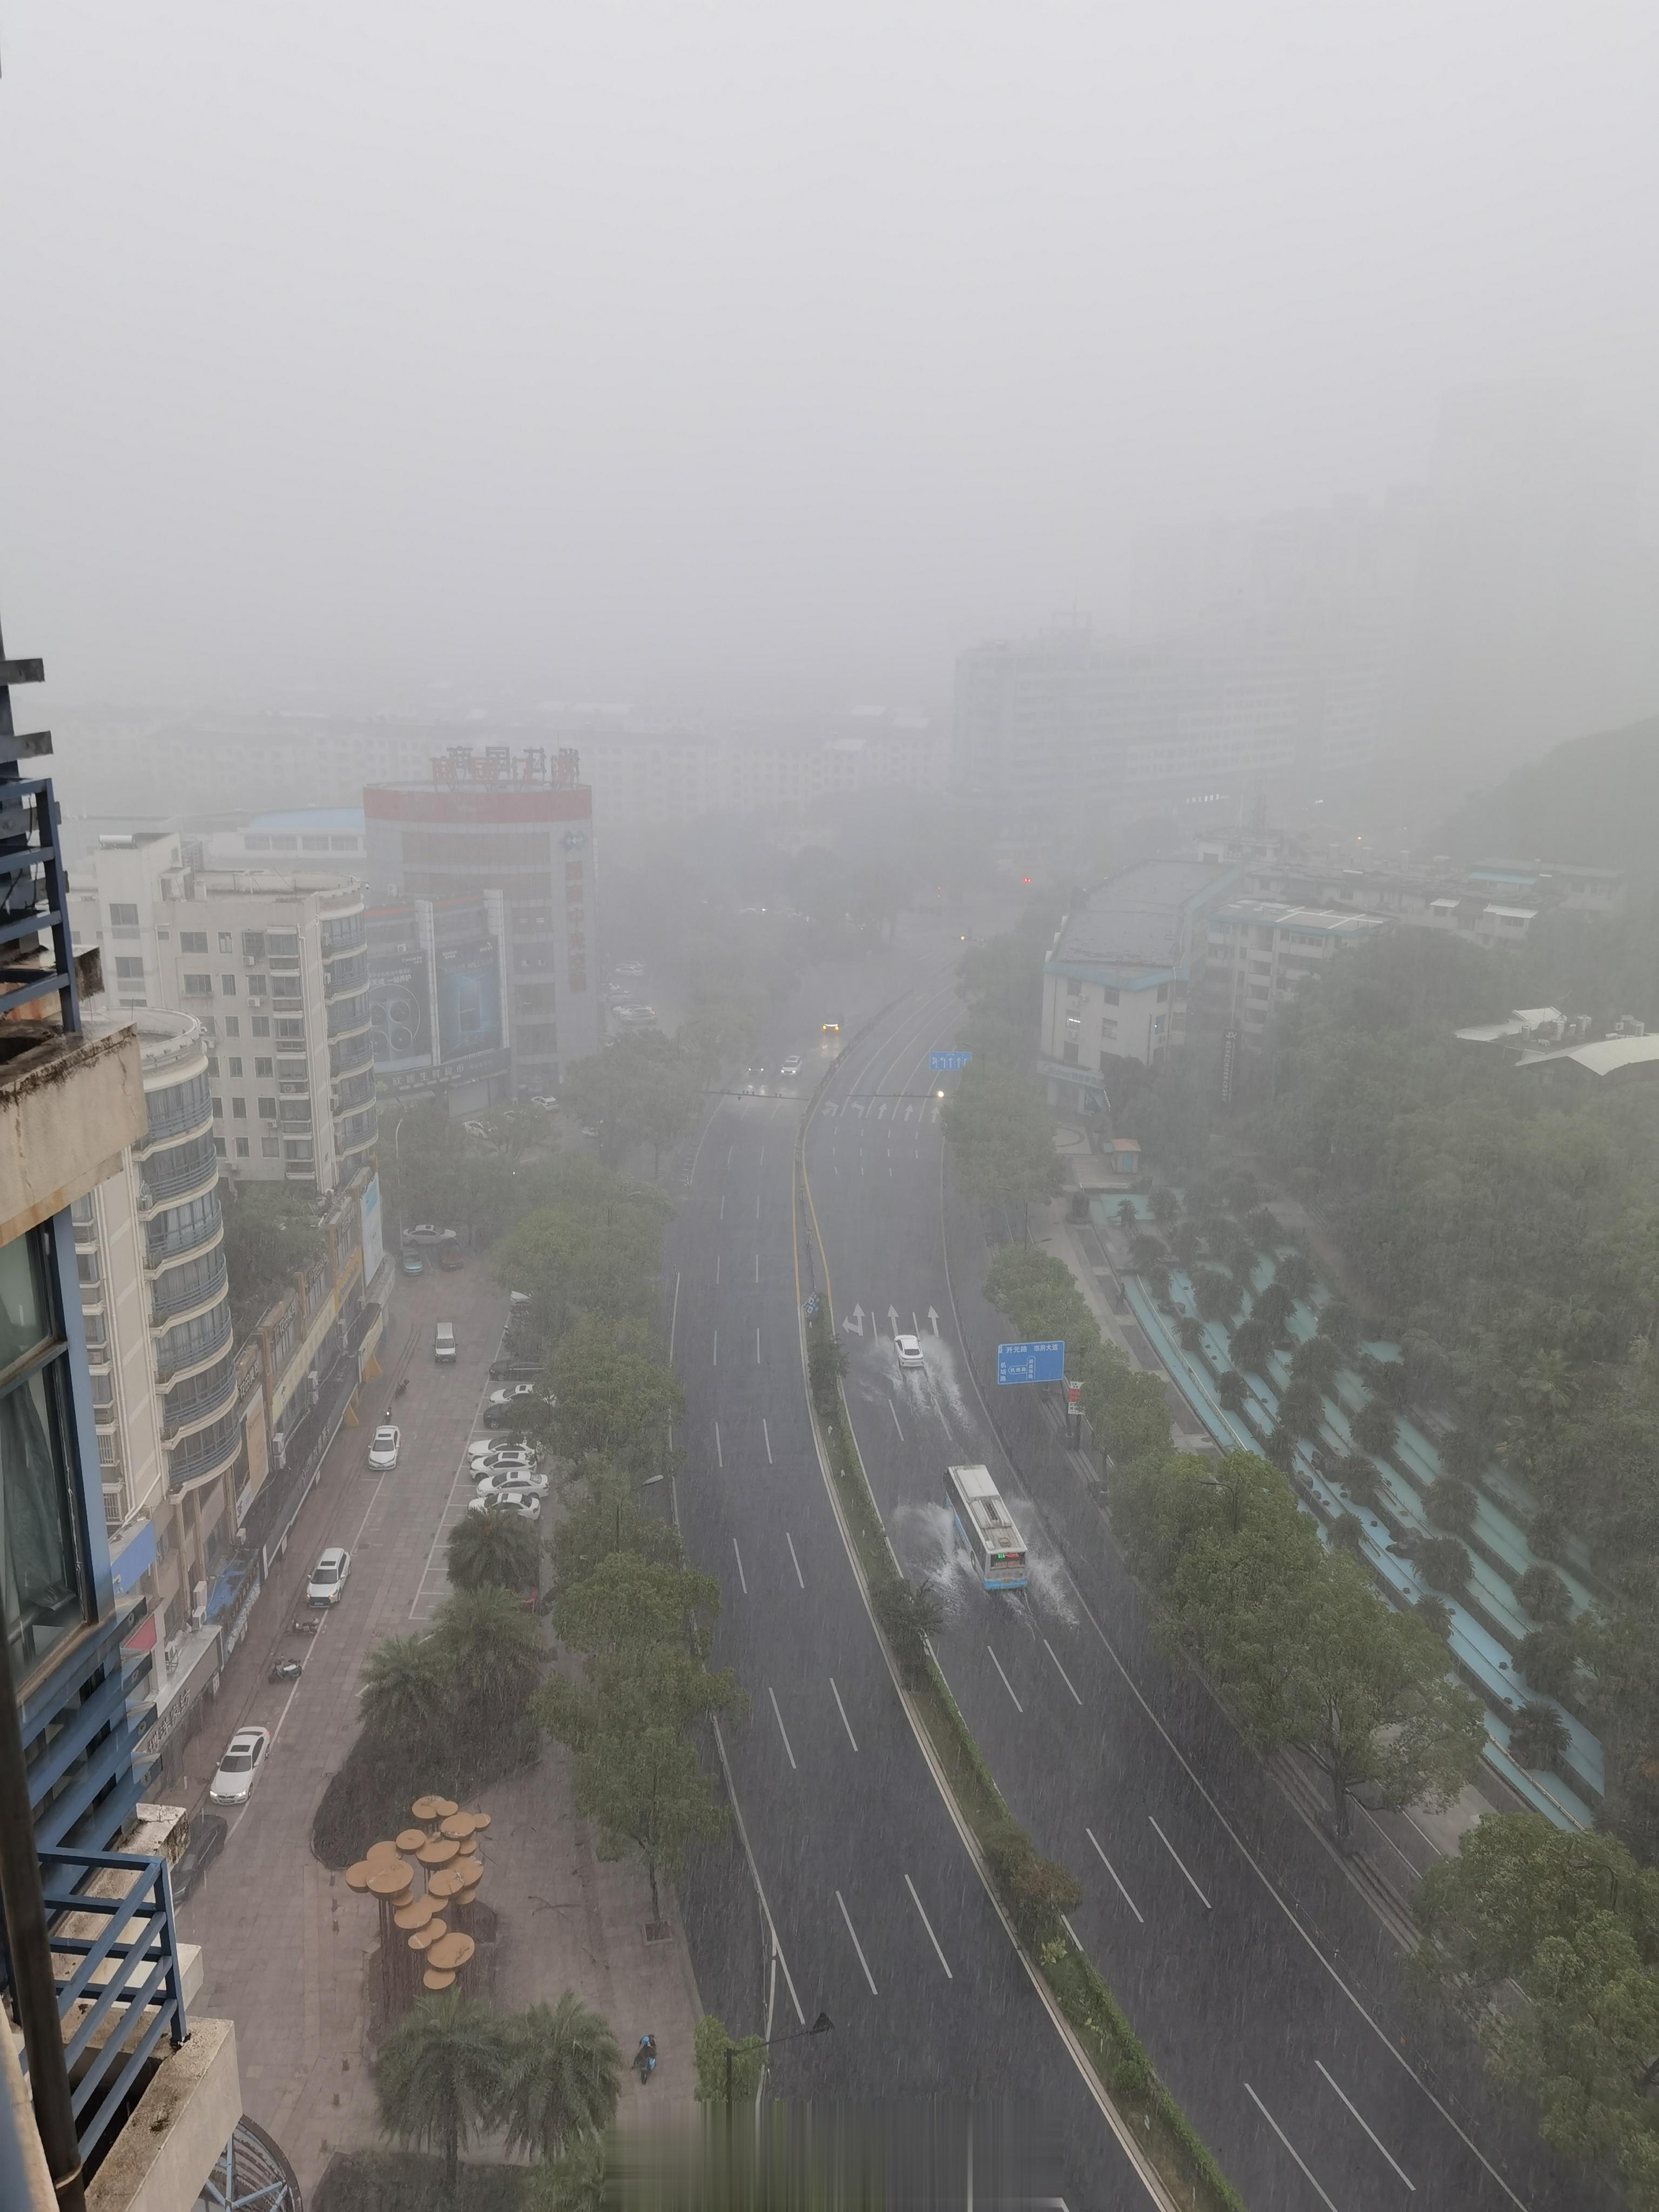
{"type": "Point", "coordinates": [979, 1494]}
{"type": "Point", "coordinates": [974, 1481]}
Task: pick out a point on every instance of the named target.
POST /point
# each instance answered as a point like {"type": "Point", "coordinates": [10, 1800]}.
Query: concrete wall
{"type": "Point", "coordinates": [68, 1106]}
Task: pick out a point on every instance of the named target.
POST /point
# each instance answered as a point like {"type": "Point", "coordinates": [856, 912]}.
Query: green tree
{"type": "Point", "coordinates": [616, 1395]}
{"type": "Point", "coordinates": [1548, 1658]}
{"type": "Point", "coordinates": [1337, 1322]}
{"type": "Point", "coordinates": [1163, 1205]}
{"type": "Point", "coordinates": [1442, 1563]}
{"type": "Point", "coordinates": [1274, 1308]}
{"type": "Point", "coordinates": [1301, 1407]}
{"type": "Point", "coordinates": [1216, 1298]}
{"type": "Point", "coordinates": [1572, 1920]}
{"type": "Point", "coordinates": [406, 1691]}
{"type": "Point", "coordinates": [576, 2181]}
{"type": "Point", "coordinates": [712, 2043]}
{"type": "Point", "coordinates": [911, 1613]}
{"type": "Point", "coordinates": [1233, 1391]}
{"type": "Point", "coordinates": [1318, 1359]}
{"type": "Point", "coordinates": [592, 1248]}
{"type": "Point", "coordinates": [440, 2077]}
{"type": "Point", "coordinates": [1375, 1429]}
{"type": "Point", "coordinates": [1450, 1505]}
{"type": "Point", "coordinates": [562, 2078]}
{"type": "Point", "coordinates": [272, 1236]}
{"type": "Point", "coordinates": [640, 1785]}
{"type": "Point", "coordinates": [629, 1607]}
{"type": "Point", "coordinates": [1544, 1595]}
{"type": "Point", "coordinates": [1538, 1735]}
{"type": "Point", "coordinates": [492, 1654]}
{"type": "Point", "coordinates": [1250, 1345]}
{"type": "Point", "coordinates": [1295, 1272]}
{"type": "Point", "coordinates": [609, 1519]}
{"type": "Point", "coordinates": [1003, 1138]}
{"type": "Point", "coordinates": [1463, 1453]}
{"type": "Point", "coordinates": [499, 1549]}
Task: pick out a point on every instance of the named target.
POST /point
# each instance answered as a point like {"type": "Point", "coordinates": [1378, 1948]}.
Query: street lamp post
{"type": "Point", "coordinates": [822, 2026]}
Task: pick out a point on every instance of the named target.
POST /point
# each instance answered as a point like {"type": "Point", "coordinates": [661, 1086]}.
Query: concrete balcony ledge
{"type": "Point", "coordinates": [187, 2114]}
{"type": "Point", "coordinates": [68, 1106]}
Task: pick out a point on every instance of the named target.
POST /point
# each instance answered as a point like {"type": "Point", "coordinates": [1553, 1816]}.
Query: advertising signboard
{"type": "Point", "coordinates": [399, 1008]}
{"type": "Point", "coordinates": [374, 1242]}
{"type": "Point", "coordinates": [469, 1000]}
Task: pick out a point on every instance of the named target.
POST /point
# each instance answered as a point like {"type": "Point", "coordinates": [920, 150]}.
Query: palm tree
{"type": "Point", "coordinates": [564, 2070]}
{"type": "Point", "coordinates": [1233, 1391]}
{"type": "Point", "coordinates": [1375, 1428]}
{"type": "Point", "coordinates": [573, 2182]}
{"type": "Point", "coordinates": [405, 1696]}
{"type": "Point", "coordinates": [442, 2072]}
{"type": "Point", "coordinates": [497, 1549]}
{"type": "Point", "coordinates": [1296, 1272]}
{"type": "Point", "coordinates": [1317, 1358]}
{"type": "Point", "coordinates": [492, 1651]}
{"type": "Point", "coordinates": [1163, 1205]}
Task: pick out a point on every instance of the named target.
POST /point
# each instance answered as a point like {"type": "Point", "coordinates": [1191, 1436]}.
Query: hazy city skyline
{"type": "Point", "coordinates": [764, 359]}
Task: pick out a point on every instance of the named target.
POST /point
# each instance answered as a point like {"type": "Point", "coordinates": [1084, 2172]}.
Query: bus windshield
{"type": "Point", "coordinates": [985, 1525]}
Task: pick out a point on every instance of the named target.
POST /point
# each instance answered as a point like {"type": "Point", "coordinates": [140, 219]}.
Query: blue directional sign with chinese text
{"type": "Point", "coordinates": [947, 1063]}
{"type": "Point", "coordinates": [1031, 1363]}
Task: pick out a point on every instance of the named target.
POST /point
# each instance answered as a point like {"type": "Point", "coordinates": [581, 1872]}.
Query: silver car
{"type": "Point", "coordinates": [240, 1767]}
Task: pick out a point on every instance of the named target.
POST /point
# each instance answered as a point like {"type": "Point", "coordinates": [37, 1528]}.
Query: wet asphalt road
{"type": "Point", "coordinates": [1265, 1990]}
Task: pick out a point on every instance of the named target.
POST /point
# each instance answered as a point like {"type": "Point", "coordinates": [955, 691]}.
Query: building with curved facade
{"type": "Point", "coordinates": [178, 1415]}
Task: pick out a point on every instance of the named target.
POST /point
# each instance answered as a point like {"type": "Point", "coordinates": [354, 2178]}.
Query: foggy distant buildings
{"type": "Point", "coordinates": [1450, 631]}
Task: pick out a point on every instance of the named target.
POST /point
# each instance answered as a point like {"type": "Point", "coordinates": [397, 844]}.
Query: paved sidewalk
{"type": "Point", "coordinates": [285, 1943]}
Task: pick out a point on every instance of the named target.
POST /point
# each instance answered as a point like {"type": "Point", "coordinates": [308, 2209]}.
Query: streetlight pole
{"type": "Point", "coordinates": [822, 2026]}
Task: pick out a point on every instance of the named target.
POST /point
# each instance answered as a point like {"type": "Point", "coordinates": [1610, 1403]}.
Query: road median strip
{"type": "Point", "coordinates": [1031, 1894]}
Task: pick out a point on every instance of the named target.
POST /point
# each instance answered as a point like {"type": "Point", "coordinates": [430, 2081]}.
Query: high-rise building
{"type": "Point", "coordinates": [519, 825]}
{"type": "Point", "coordinates": [92, 1963]}
{"type": "Point", "coordinates": [179, 1409]}
{"type": "Point", "coordinates": [275, 967]}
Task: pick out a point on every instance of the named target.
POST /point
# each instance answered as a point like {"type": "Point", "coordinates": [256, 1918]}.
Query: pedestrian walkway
{"type": "Point", "coordinates": [286, 1945]}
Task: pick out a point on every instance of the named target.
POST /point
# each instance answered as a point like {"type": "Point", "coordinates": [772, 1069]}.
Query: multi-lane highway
{"type": "Point", "coordinates": [1264, 1989]}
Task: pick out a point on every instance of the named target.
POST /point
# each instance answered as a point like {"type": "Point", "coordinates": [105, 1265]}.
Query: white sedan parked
{"type": "Point", "coordinates": [504, 1481]}
{"type": "Point", "coordinates": [525, 1502]}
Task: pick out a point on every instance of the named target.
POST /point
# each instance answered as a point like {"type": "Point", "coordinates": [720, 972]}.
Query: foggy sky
{"type": "Point", "coordinates": [696, 352]}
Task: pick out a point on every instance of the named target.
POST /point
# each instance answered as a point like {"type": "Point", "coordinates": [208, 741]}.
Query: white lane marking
{"type": "Point", "coordinates": [857, 1946]}
{"type": "Point", "coordinates": [729, 1149]}
{"type": "Point", "coordinates": [1354, 2109]}
{"type": "Point", "coordinates": [673, 1315]}
{"type": "Point", "coordinates": [1182, 1863]}
{"type": "Point", "coordinates": [782, 1731]}
{"type": "Point", "coordinates": [793, 1561]}
{"type": "Point", "coordinates": [758, 1358]}
{"type": "Point", "coordinates": [928, 1926]}
{"type": "Point", "coordinates": [1113, 1871]}
{"type": "Point", "coordinates": [767, 1434]}
{"type": "Point", "coordinates": [717, 1348]}
{"type": "Point", "coordinates": [1006, 1684]}
{"type": "Point", "coordinates": [758, 1267]}
{"type": "Point", "coordinates": [1064, 1676]}
{"type": "Point", "coordinates": [1289, 2146]}
{"type": "Point", "coordinates": [757, 1200]}
{"type": "Point", "coordinates": [717, 1266]}
{"type": "Point", "coordinates": [841, 1710]}
{"type": "Point", "coordinates": [742, 1578]}
{"type": "Point", "coordinates": [720, 1456]}
{"type": "Point", "coordinates": [893, 1410]}
{"type": "Point", "coordinates": [760, 1162]}
{"type": "Point", "coordinates": [721, 1215]}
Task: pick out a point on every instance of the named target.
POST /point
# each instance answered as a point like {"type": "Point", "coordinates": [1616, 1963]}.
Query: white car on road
{"type": "Point", "coordinates": [504, 1482]}
{"type": "Point", "coordinates": [792, 1066]}
{"type": "Point", "coordinates": [240, 1767]}
{"type": "Point", "coordinates": [383, 1447]}
{"type": "Point", "coordinates": [525, 1502]}
{"type": "Point", "coordinates": [328, 1577]}
{"type": "Point", "coordinates": [908, 1349]}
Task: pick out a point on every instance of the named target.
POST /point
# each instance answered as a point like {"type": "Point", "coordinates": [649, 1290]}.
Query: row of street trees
{"type": "Point", "coordinates": [1003, 1138]}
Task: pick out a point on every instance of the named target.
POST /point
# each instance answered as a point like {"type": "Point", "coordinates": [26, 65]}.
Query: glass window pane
{"type": "Point", "coordinates": [25, 1308]}
{"type": "Point", "coordinates": [41, 1576]}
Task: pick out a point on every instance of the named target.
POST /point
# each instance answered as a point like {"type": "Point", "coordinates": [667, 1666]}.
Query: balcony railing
{"type": "Point", "coordinates": [127, 1973]}
{"type": "Point", "coordinates": [167, 1176]}
{"type": "Point", "coordinates": [349, 973]}
{"type": "Point", "coordinates": [353, 1053]}
{"type": "Point", "coordinates": [178, 1240]}
{"type": "Point", "coordinates": [208, 1453]}
{"type": "Point", "coordinates": [167, 1302]}
{"type": "Point", "coordinates": [194, 1406]}
{"type": "Point", "coordinates": [347, 1016]}
{"type": "Point", "coordinates": [198, 1352]}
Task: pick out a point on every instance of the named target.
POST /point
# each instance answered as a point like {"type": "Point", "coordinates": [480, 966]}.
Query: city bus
{"type": "Point", "coordinates": [984, 1525]}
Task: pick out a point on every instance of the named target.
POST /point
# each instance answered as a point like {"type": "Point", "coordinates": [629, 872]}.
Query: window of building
{"type": "Point", "coordinates": [285, 986]}
{"type": "Point", "coordinates": [198, 987]}
{"type": "Point", "coordinates": [86, 1267]}
{"type": "Point", "coordinates": [239, 1110]}
{"type": "Point", "coordinates": [232, 1026]}
{"type": "Point", "coordinates": [343, 844]}
{"type": "Point", "coordinates": [267, 1110]}
{"type": "Point", "coordinates": [219, 1142]}
{"type": "Point", "coordinates": [227, 986]}
{"type": "Point", "coordinates": [192, 940]}
{"type": "Point", "coordinates": [1109, 998]}
{"type": "Point", "coordinates": [241, 1148]}
{"type": "Point", "coordinates": [218, 1110]}
{"type": "Point", "coordinates": [284, 844]}
{"type": "Point", "coordinates": [129, 971]}
{"type": "Point", "coordinates": [262, 1067]}
{"type": "Point", "coordinates": [227, 942]}
{"type": "Point", "coordinates": [1108, 1030]}
{"type": "Point", "coordinates": [298, 1148]}
{"type": "Point", "coordinates": [235, 1065]}
{"type": "Point", "coordinates": [257, 986]}
{"type": "Point", "coordinates": [43, 1578]}
{"type": "Point", "coordinates": [1162, 992]}
{"type": "Point", "coordinates": [282, 944]}
{"type": "Point", "coordinates": [213, 1068]}
{"type": "Point", "coordinates": [538, 1040]}
{"type": "Point", "coordinates": [122, 916]}
{"type": "Point", "coordinates": [313, 844]}
{"type": "Point", "coordinates": [253, 943]}
{"type": "Point", "coordinates": [260, 1025]}
{"type": "Point", "coordinates": [270, 1148]}
{"type": "Point", "coordinates": [1073, 987]}
{"type": "Point", "coordinates": [291, 1032]}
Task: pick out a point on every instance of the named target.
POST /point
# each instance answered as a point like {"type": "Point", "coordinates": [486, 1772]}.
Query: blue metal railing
{"type": "Point", "coordinates": [129, 1975]}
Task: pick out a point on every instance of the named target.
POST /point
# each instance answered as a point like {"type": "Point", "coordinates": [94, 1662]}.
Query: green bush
{"type": "Point", "coordinates": [412, 2181]}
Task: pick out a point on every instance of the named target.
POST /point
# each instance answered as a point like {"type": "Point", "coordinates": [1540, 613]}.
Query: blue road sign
{"type": "Point", "coordinates": [1031, 1363]}
{"type": "Point", "coordinates": [946, 1063]}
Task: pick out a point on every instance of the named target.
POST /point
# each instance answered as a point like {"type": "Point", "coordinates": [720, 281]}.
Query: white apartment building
{"type": "Point", "coordinates": [179, 1416]}
{"type": "Point", "coordinates": [275, 967]}
{"type": "Point", "coordinates": [644, 778]}
{"type": "Point", "coordinates": [1263, 951]}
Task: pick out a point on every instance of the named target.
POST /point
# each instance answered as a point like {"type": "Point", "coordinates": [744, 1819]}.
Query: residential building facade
{"type": "Point", "coordinates": [275, 967]}
{"type": "Point", "coordinates": [1260, 953]}
{"type": "Point", "coordinates": [1121, 974]}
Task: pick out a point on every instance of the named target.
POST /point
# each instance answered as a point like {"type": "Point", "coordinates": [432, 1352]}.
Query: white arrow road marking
{"type": "Point", "coordinates": [892, 1319]}
{"type": "Point", "coordinates": [933, 1319]}
{"type": "Point", "coordinates": [857, 1321]}
{"type": "Point", "coordinates": [908, 1111]}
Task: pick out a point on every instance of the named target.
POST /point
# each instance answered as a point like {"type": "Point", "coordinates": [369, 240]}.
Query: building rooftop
{"type": "Point", "coordinates": [1607, 1056]}
{"type": "Point", "coordinates": [1316, 920]}
{"type": "Point", "coordinates": [1135, 919]}
{"type": "Point", "coordinates": [342, 819]}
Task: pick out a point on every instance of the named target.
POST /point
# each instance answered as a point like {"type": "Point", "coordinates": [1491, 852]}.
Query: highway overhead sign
{"type": "Point", "coordinates": [946, 1063]}
{"type": "Point", "coordinates": [1031, 1363]}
